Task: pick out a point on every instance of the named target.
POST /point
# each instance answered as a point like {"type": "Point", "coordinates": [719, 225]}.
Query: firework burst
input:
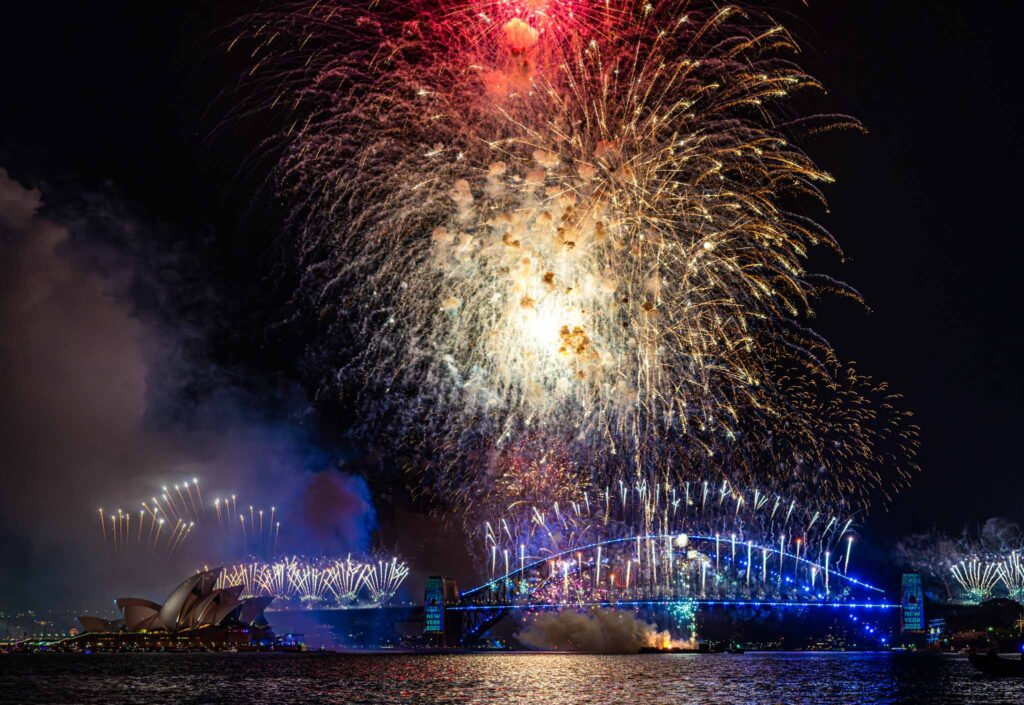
{"type": "Point", "coordinates": [320, 582]}
{"type": "Point", "coordinates": [569, 224]}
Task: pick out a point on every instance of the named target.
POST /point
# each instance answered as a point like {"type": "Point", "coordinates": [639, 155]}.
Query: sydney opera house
{"type": "Point", "coordinates": [197, 614]}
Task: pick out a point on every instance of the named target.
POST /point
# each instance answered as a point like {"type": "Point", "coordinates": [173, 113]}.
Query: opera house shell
{"type": "Point", "coordinates": [196, 603]}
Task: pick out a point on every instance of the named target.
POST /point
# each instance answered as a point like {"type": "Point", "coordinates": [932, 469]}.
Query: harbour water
{"type": "Point", "coordinates": [552, 679]}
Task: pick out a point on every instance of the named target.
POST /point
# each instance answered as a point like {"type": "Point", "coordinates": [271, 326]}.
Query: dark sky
{"type": "Point", "coordinates": [111, 109]}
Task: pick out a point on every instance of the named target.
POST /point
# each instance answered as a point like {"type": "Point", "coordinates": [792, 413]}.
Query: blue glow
{"type": "Point", "coordinates": [693, 537]}
{"type": "Point", "coordinates": [669, 603]}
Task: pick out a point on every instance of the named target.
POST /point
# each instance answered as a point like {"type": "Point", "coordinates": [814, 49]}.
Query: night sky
{"type": "Point", "coordinates": [113, 111]}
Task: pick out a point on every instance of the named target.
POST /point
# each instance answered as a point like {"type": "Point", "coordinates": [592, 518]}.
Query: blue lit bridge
{"type": "Point", "coordinates": [661, 571]}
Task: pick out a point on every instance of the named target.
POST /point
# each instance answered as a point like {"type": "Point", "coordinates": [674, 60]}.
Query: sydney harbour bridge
{"type": "Point", "coordinates": [652, 573]}
{"type": "Point", "coordinates": [664, 570]}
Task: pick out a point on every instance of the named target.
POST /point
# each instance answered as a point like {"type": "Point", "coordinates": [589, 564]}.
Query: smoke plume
{"type": "Point", "coordinates": [110, 388]}
{"type": "Point", "coordinates": [598, 631]}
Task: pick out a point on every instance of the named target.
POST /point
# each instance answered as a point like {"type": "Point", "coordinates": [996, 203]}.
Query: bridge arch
{"type": "Point", "coordinates": [672, 568]}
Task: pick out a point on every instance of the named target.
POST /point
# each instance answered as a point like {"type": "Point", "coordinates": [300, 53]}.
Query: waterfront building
{"type": "Point", "coordinates": [196, 614]}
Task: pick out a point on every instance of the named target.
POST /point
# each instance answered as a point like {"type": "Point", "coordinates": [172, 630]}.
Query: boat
{"type": "Point", "coordinates": [992, 664]}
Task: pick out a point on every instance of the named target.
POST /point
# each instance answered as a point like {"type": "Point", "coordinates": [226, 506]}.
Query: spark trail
{"type": "Point", "coordinates": [537, 224]}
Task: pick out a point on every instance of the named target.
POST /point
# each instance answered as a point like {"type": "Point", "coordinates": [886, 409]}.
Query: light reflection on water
{"type": "Point", "coordinates": [552, 679]}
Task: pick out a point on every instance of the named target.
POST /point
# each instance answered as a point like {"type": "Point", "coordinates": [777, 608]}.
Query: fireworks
{"type": "Point", "coordinates": [1011, 573]}
{"type": "Point", "coordinates": [700, 540]}
{"type": "Point", "coordinates": [977, 578]}
{"type": "Point", "coordinates": [981, 578]}
{"type": "Point", "coordinates": [566, 224]}
{"type": "Point", "coordinates": [167, 521]}
{"type": "Point", "coordinates": [383, 579]}
{"type": "Point", "coordinates": [974, 567]}
{"type": "Point", "coordinates": [321, 582]}
{"type": "Point", "coordinates": [224, 527]}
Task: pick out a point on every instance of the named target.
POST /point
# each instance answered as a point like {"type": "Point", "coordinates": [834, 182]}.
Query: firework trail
{"type": "Point", "coordinates": [321, 582]}
{"type": "Point", "coordinates": [977, 577]}
{"type": "Point", "coordinates": [704, 538]}
{"type": "Point", "coordinates": [979, 564]}
{"type": "Point", "coordinates": [571, 225]}
{"type": "Point", "coordinates": [176, 517]}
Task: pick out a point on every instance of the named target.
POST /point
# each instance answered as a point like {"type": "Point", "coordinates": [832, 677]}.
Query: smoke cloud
{"type": "Point", "coordinates": [598, 631]}
{"type": "Point", "coordinates": [337, 512]}
{"type": "Point", "coordinates": [108, 391]}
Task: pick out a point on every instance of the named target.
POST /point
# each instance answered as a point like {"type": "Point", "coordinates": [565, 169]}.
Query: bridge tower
{"type": "Point", "coordinates": [912, 625]}
{"type": "Point", "coordinates": [440, 627]}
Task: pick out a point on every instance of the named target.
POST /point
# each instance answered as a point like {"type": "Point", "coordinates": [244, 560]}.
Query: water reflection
{"type": "Point", "coordinates": [553, 679]}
